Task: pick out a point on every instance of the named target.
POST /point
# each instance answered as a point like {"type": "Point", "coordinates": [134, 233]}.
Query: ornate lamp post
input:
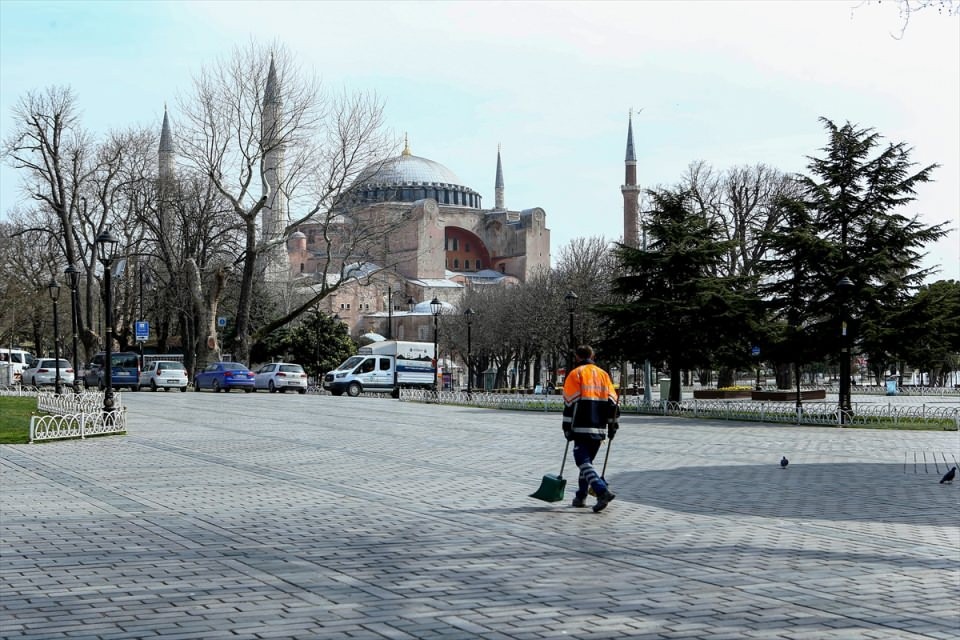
{"type": "Point", "coordinates": [571, 300]}
{"type": "Point", "coordinates": [436, 308]}
{"type": "Point", "coordinates": [107, 245]}
{"type": "Point", "coordinates": [844, 287]}
{"type": "Point", "coordinates": [54, 289]}
{"type": "Point", "coordinates": [73, 277]}
{"type": "Point", "coordinates": [468, 314]}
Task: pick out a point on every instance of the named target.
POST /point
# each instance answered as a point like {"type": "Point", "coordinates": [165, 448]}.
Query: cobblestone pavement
{"type": "Point", "coordinates": [282, 516]}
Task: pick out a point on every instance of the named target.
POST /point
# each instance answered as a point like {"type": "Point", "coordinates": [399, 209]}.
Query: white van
{"type": "Point", "coordinates": [12, 364]}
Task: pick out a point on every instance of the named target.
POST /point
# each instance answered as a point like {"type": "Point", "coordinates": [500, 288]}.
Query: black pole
{"type": "Point", "coordinates": [389, 314]}
{"type": "Point", "coordinates": [57, 383]}
{"type": "Point", "coordinates": [436, 354]}
{"type": "Point", "coordinates": [108, 338]}
{"type": "Point", "coordinates": [799, 403]}
{"type": "Point", "coordinates": [469, 361]}
{"type": "Point", "coordinates": [844, 287]}
{"type": "Point", "coordinates": [74, 276]}
{"type": "Point", "coordinates": [140, 342]}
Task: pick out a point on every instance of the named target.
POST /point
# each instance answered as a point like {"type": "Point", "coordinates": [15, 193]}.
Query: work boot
{"type": "Point", "coordinates": [579, 502]}
{"type": "Point", "coordinates": [602, 501]}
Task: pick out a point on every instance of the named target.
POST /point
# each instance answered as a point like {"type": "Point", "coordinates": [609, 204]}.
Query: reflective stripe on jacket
{"type": "Point", "coordinates": [589, 400]}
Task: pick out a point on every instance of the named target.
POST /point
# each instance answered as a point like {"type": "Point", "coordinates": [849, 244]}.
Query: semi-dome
{"type": "Point", "coordinates": [408, 178]}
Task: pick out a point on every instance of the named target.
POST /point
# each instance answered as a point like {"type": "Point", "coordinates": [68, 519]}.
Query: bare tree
{"type": "Point", "coordinates": [908, 8]}
{"type": "Point", "coordinates": [282, 152]}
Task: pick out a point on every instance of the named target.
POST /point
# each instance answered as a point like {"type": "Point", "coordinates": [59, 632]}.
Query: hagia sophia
{"type": "Point", "coordinates": [447, 241]}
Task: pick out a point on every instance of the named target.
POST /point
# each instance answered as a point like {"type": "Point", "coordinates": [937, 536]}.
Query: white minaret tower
{"type": "Point", "coordinates": [498, 185]}
{"type": "Point", "coordinates": [167, 169]}
{"type": "Point", "coordinates": [275, 216]}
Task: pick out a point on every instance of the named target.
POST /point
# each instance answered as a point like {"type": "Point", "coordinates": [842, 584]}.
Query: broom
{"type": "Point", "coordinates": [552, 486]}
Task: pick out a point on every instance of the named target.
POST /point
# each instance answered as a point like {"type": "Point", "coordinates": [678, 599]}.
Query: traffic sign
{"type": "Point", "coordinates": [142, 330]}
{"type": "Point", "coordinates": [222, 321]}
{"type": "Point", "coordinates": [755, 351]}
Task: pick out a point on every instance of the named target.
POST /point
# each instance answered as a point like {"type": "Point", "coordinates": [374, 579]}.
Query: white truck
{"type": "Point", "coordinates": [384, 367]}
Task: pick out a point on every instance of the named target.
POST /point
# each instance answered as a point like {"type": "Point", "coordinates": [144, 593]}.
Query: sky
{"type": "Point", "coordinates": [550, 83]}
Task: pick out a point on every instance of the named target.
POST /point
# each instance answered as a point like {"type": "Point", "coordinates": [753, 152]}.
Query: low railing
{"type": "Point", "coordinates": [78, 425]}
{"type": "Point", "coordinates": [810, 413]}
{"type": "Point", "coordinates": [69, 403]}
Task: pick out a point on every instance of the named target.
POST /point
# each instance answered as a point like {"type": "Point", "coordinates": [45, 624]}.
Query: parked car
{"type": "Point", "coordinates": [44, 371]}
{"type": "Point", "coordinates": [13, 363]}
{"type": "Point", "coordinates": [225, 376]}
{"type": "Point", "coordinates": [164, 374]}
{"type": "Point", "coordinates": [280, 376]}
{"type": "Point", "coordinates": [125, 371]}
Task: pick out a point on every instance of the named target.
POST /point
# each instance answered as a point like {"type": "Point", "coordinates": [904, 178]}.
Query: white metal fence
{"type": "Point", "coordinates": [811, 413]}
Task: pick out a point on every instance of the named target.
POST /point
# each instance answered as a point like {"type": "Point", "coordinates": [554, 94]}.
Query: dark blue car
{"type": "Point", "coordinates": [224, 376]}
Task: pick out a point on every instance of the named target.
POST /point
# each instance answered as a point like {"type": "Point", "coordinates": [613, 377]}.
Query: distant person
{"type": "Point", "coordinates": [590, 411]}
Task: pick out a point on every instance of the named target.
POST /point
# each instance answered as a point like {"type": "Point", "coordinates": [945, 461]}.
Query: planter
{"type": "Point", "coordinates": [789, 396]}
{"type": "Point", "coordinates": [717, 394]}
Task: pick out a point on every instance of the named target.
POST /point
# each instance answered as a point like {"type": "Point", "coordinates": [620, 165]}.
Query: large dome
{"type": "Point", "coordinates": [408, 170]}
{"type": "Point", "coordinates": [408, 178]}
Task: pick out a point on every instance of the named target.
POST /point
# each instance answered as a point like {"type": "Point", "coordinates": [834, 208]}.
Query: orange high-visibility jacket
{"type": "Point", "coordinates": [589, 401]}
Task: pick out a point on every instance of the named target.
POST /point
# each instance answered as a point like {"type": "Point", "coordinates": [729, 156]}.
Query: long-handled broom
{"type": "Point", "coordinates": [552, 486]}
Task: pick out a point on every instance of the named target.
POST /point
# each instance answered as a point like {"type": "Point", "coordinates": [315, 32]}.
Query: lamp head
{"type": "Point", "coordinates": [107, 244]}
{"type": "Point", "coordinates": [468, 314]}
{"type": "Point", "coordinates": [54, 289]}
{"type": "Point", "coordinates": [73, 274]}
{"type": "Point", "coordinates": [436, 307]}
{"type": "Point", "coordinates": [571, 300]}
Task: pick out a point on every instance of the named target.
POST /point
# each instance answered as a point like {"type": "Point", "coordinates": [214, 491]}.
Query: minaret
{"type": "Point", "coordinates": [498, 185]}
{"type": "Point", "coordinates": [167, 169]}
{"type": "Point", "coordinates": [275, 211]}
{"type": "Point", "coordinates": [630, 190]}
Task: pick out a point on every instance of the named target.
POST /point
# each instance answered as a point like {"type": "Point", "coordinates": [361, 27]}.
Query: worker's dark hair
{"type": "Point", "coordinates": [584, 352]}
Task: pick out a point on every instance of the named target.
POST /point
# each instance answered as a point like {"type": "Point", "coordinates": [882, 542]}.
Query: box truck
{"type": "Point", "coordinates": [384, 367]}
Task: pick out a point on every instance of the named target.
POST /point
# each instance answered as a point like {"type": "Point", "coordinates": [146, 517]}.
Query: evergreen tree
{"type": "Point", "coordinates": [853, 194]}
{"type": "Point", "coordinates": [675, 309]}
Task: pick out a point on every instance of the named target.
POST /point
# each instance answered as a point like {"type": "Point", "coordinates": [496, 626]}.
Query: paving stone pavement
{"type": "Point", "coordinates": [280, 516]}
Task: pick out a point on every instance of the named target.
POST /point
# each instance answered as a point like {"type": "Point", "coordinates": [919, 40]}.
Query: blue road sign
{"type": "Point", "coordinates": [755, 351]}
{"type": "Point", "coordinates": [222, 321]}
{"type": "Point", "coordinates": [142, 330]}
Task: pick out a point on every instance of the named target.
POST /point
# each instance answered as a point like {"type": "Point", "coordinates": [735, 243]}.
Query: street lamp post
{"type": "Point", "coordinates": [844, 287]}
{"type": "Point", "coordinates": [435, 308]}
{"type": "Point", "coordinates": [54, 289]}
{"type": "Point", "coordinates": [107, 245]}
{"type": "Point", "coordinates": [468, 314]}
{"type": "Point", "coordinates": [571, 300]}
{"type": "Point", "coordinates": [73, 276]}
{"type": "Point", "coordinates": [390, 294]}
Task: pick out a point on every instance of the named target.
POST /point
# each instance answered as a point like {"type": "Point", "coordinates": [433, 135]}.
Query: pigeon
{"type": "Point", "coordinates": [949, 476]}
{"type": "Point", "coordinates": [784, 462]}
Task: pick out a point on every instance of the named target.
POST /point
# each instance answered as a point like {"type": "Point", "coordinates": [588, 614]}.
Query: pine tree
{"type": "Point", "coordinates": [676, 309]}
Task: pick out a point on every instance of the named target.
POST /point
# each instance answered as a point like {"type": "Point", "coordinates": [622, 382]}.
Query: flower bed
{"type": "Point", "coordinates": [783, 395]}
{"type": "Point", "coordinates": [718, 394]}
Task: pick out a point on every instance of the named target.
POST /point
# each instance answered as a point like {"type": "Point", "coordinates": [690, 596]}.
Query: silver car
{"type": "Point", "coordinates": [44, 371]}
{"type": "Point", "coordinates": [164, 374]}
{"type": "Point", "coordinates": [280, 376]}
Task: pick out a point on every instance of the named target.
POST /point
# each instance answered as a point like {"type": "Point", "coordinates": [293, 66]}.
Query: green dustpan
{"type": "Point", "coordinates": [552, 486]}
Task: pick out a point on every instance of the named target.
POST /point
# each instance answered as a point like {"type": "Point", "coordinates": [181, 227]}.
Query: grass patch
{"type": "Point", "coordinates": [15, 415]}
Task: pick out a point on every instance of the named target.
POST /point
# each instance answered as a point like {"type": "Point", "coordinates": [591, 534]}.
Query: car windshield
{"type": "Point", "coordinates": [350, 363]}
{"type": "Point", "coordinates": [233, 366]}
{"type": "Point", "coordinates": [166, 366]}
{"type": "Point", "coordinates": [52, 363]}
{"type": "Point", "coordinates": [291, 368]}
